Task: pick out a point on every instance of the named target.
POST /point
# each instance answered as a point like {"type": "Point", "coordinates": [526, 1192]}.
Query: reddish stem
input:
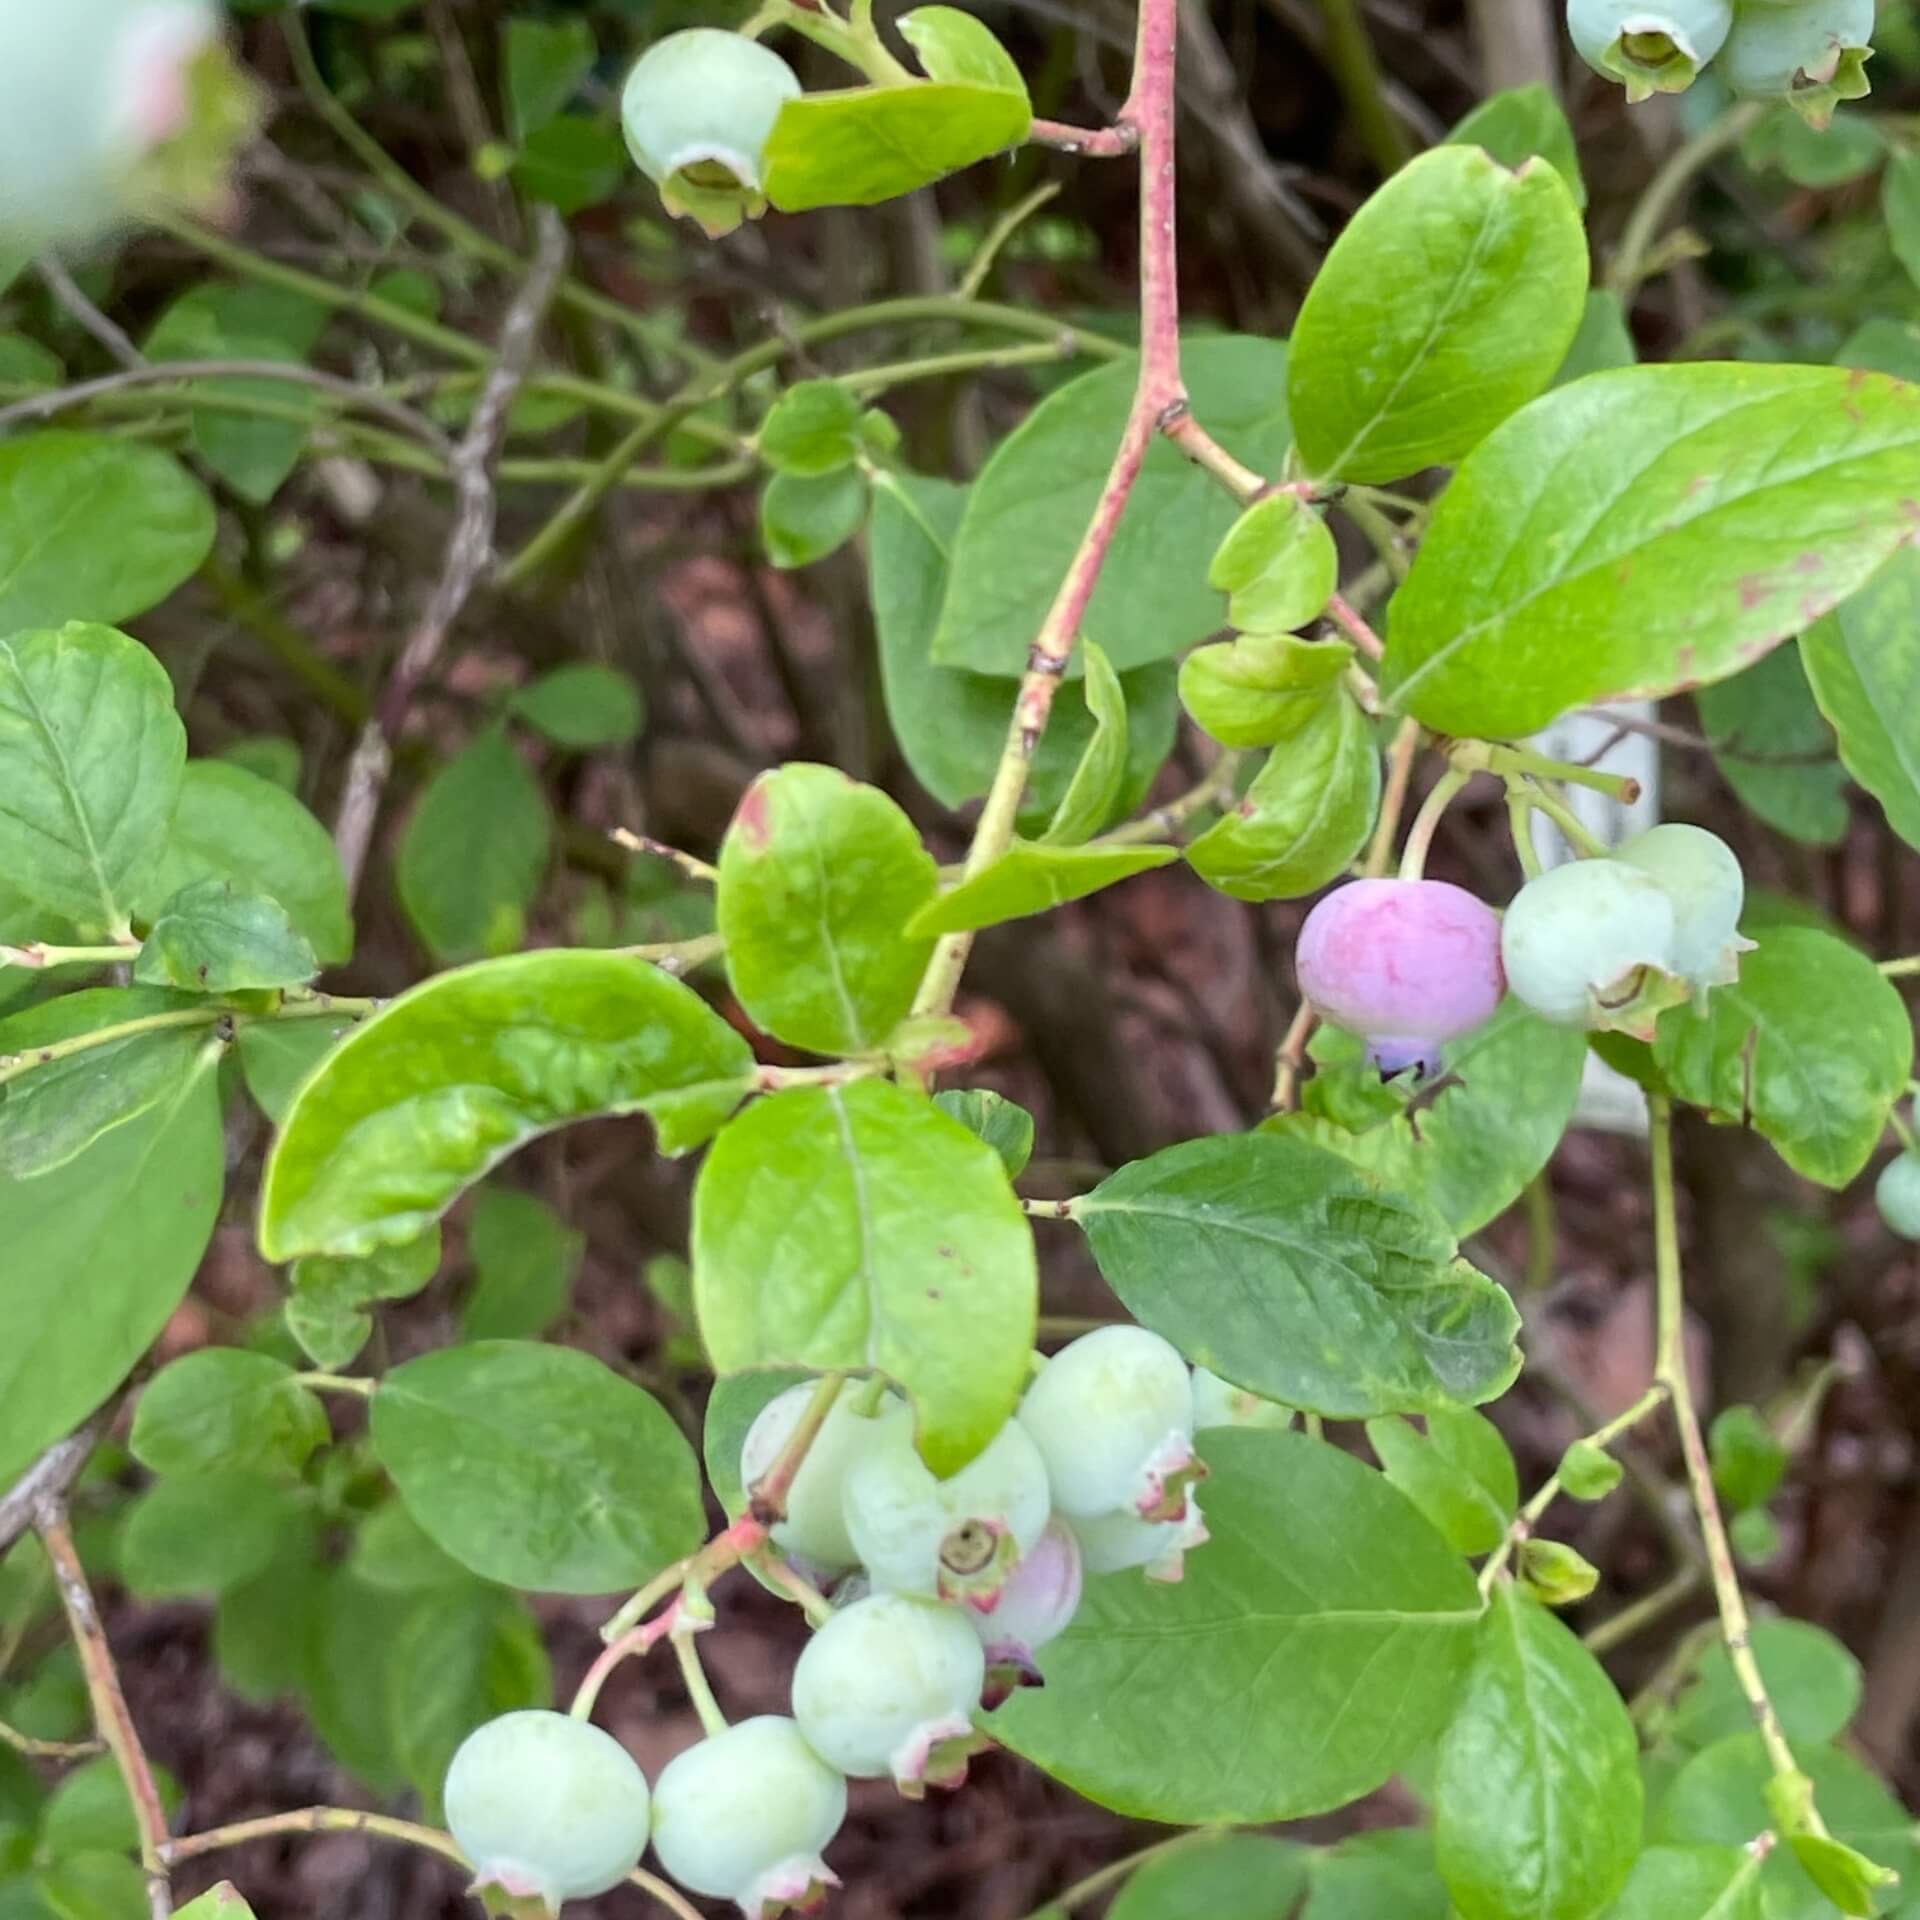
{"type": "Point", "coordinates": [1349, 621]}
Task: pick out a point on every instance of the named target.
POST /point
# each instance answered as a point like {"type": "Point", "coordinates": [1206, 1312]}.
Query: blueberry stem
{"type": "Point", "coordinates": [1426, 823]}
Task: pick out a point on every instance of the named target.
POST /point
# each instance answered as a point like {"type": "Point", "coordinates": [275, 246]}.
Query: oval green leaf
{"type": "Point", "coordinates": [1691, 1883]}
{"type": "Point", "coordinates": [1029, 878]}
{"type": "Point", "coordinates": [859, 1226]}
{"type": "Point", "coordinates": [438, 1087]}
{"type": "Point", "coordinates": [226, 1407]}
{"type": "Point", "coordinates": [216, 937]}
{"type": "Point", "coordinates": [1225, 1876]}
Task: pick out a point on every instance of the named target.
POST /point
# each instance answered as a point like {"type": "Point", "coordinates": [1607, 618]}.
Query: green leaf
{"type": "Point", "coordinates": [952, 725]}
{"type": "Point", "coordinates": [1088, 803]}
{"type": "Point", "coordinates": [89, 1810]}
{"type": "Point", "coordinates": [99, 1253]}
{"type": "Point", "coordinates": [1851, 144]}
{"type": "Point", "coordinates": [1900, 204]}
{"type": "Point", "coordinates": [860, 145]}
{"type": "Point", "coordinates": [1306, 815]}
{"type": "Point", "coordinates": [1277, 566]}
{"type": "Point", "coordinates": [1262, 687]}
{"type": "Point", "coordinates": [819, 877]}
{"type": "Point", "coordinates": [1005, 1125]}
{"type": "Point", "coordinates": [1603, 342]}
{"type": "Point", "coordinates": [1862, 661]}
{"type": "Point", "coordinates": [803, 517]}
{"type": "Point", "coordinates": [1292, 1274]}
{"type": "Point", "coordinates": [1026, 513]}
{"type": "Point", "coordinates": [475, 851]}
{"type": "Point", "coordinates": [1588, 1472]}
{"type": "Point", "coordinates": [583, 706]}
{"type": "Point", "coordinates": [538, 1467]}
{"type": "Point", "coordinates": [276, 1055]}
{"type": "Point", "coordinates": [59, 1108]}
{"type": "Point", "coordinates": [94, 1886]}
{"type": "Point", "coordinates": [391, 1552]}
{"type": "Point", "coordinates": [94, 528]}
{"type": "Point", "coordinates": [1314, 1644]}
{"type": "Point", "coordinates": [1775, 750]}
{"type": "Point", "coordinates": [859, 1226]}
{"type": "Point", "coordinates": [1815, 1685]}
{"type": "Point", "coordinates": [1448, 302]}
{"type": "Point", "coordinates": [233, 825]}
{"type": "Point", "coordinates": [203, 1533]}
{"type": "Point", "coordinates": [443, 1083]}
{"type": "Point", "coordinates": [1748, 1460]}
{"type": "Point", "coordinates": [1458, 1473]}
{"type": "Point", "coordinates": [220, 1903]}
{"type": "Point", "coordinates": [1537, 1803]}
{"type": "Point", "coordinates": [1225, 1876]}
{"type": "Point", "coordinates": [1647, 530]}
{"type": "Point", "coordinates": [1691, 1883]}
{"type": "Point", "coordinates": [1810, 1047]}
{"type": "Point", "coordinates": [326, 1309]}
{"type": "Point", "coordinates": [571, 163]}
{"type": "Point", "coordinates": [1029, 878]}
{"type": "Point", "coordinates": [91, 753]}
{"type": "Point", "coordinates": [349, 1675]}
{"type": "Point", "coordinates": [214, 937]}
{"type": "Point", "coordinates": [1505, 1096]}
{"type": "Point", "coordinates": [813, 429]}
{"type": "Point", "coordinates": [1372, 1874]}
{"type": "Point", "coordinates": [953, 45]}
{"type": "Point", "coordinates": [524, 1259]}
{"type": "Point", "coordinates": [225, 1407]}
{"type": "Point", "coordinates": [1519, 123]}
{"type": "Point", "coordinates": [219, 320]}
{"type": "Point", "coordinates": [264, 1629]}
{"type": "Point", "coordinates": [542, 63]}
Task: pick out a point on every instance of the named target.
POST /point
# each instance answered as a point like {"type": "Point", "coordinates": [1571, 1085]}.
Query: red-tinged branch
{"type": "Point", "coordinates": [1348, 619]}
{"type": "Point", "coordinates": [1159, 403]}
{"type": "Point", "coordinates": [1089, 143]}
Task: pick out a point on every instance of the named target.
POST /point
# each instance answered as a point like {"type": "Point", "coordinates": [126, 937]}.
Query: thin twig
{"type": "Point", "coordinates": [78, 308]}
{"type": "Point", "coordinates": [1088, 143]}
{"type": "Point", "coordinates": [47, 1479]}
{"type": "Point", "coordinates": [469, 550]}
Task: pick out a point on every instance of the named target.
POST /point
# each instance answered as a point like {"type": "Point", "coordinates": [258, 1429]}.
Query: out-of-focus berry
{"type": "Point", "coordinates": [1591, 944]}
{"type": "Point", "coordinates": [1036, 1606]}
{"type": "Point", "coordinates": [1649, 46]}
{"type": "Point", "coordinates": [1701, 877]}
{"type": "Point", "coordinates": [815, 1530]}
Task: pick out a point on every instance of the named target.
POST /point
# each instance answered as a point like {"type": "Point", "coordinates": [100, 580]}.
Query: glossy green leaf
{"type": "Point", "coordinates": [1602, 342]}
{"type": "Point", "coordinates": [1537, 1803]}
{"type": "Point", "coordinates": [1088, 803]}
{"type": "Point", "coordinates": [819, 877]}
{"type": "Point", "coordinates": [1691, 1883]}
{"type": "Point", "coordinates": [99, 1253]}
{"type": "Point", "coordinates": [1647, 530]}
{"type": "Point", "coordinates": [583, 706]}
{"type": "Point", "coordinates": [1810, 1047]}
{"type": "Point", "coordinates": [94, 528]}
{"type": "Point", "coordinates": [1813, 1681]}
{"type": "Point", "coordinates": [542, 63]}
{"type": "Point", "coordinates": [1459, 1473]}
{"type": "Point", "coordinates": [221, 320]}
{"type": "Point", "coordinates": [950, 724]}
{"type": "Point", "coordinates": [327, 1305]}
{"type": "Point", "coordinates": [1776, 751]}
{"type": "Point", "coordinates": [524, 1260]}
{"type": "Point", "coordinates": [1448, 302]}
{"type": "Point", "coordinates": [1029, 878]}
{"type": "Point", "coordinates": [1225, 1876]}
{"type": "Point", "coordinates": [231, 824]}
{"type": "Point", "coordinates": [954, 45]}
{"type": "Point", "coordinates": [215, 937]}
{"type": "Point", "coordinates": [805, 517]}
{"type": "Point", "coordinates": [225, 1407]}
{"type": "Point", "coordinates": [1314, 1644]}
{"type": "Point", "coordinates": [812, 429]}
{"type": "Point", "coordinates": [1259, 689]}
{"type": "Point", "coordinates": [202, 1533]}
{"type": "Point", "coordinates": [859, 1226]}
{"type": "Point", "coordinates": [1005, 1125]}
{"type": "Point", "coordinates": [1294, 1275]}
{"type": "Point", "coordinates": [1026, 513]}
{"type": "Point", "coordinates": [91, 753]}
{"type": "Point", "coordinates": [1519, 123]}
{"type": "Point", "coordinates": [1507, 1093]}
{"type": "Point", "coordinates": [538, 1467]}
{"type": "Point", "coordinates": [1863, 661]}
{"type": "Point", "coordinates": [443, 1083]}
{"type": "Point", "coordinates": [1306, 816]}
{"type": "Point", "coordinates": [473, 854]}
{"type": "Point", "coordinates": [219, 1903]}
{"type": "Point", "coordinates": [1277, 566]}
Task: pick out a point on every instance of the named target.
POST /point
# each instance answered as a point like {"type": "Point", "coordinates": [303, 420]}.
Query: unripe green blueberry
{"type": "Point", "coordinates": [1812, 54]}
{"type": "Point", "coordinates": [88, 90]}
{"type": "Point", "coordinates": [1591, 944]}
{"type": "Point", "coordinates": [1219, 1403]}
{"type": "Point", "coordinates": [1649, 46]}
{"type": "Point", "coordinates": [1112, 1415]}
{"type": "Point", "coordinates": [744, 1815]}
{"type": "Point", "coordinates": [889, 1686]}
{"type": "Point", "coordinates": [698, 109]}
{"type": "Point", "coordinates": [958, 1538]}
{"type": "Point", "coordinates": [546, 1807]}
{"type": "Point", "coordinates": [815, 1530]}
{"type": "Point", "coordinates": [1897, 1194]}
{"type": "Point", "coordinates": [1114, 1542]}
{"type": "Point", "coordinates": [1700, 875]}
{"type": "Point", "coordinates": [1036, 1606]}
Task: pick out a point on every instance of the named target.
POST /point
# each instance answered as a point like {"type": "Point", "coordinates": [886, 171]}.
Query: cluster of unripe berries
{"type": "Point", "coordinates": [944, 1591]}
{"type": "Point", "coordinates": [1602, 944]}
{"type": "Point", "coordinates": [1809, 52]}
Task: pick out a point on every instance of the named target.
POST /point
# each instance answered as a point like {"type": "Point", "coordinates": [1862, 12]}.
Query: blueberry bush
{"type": "Point", "coordinates": [1250, 1546]}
